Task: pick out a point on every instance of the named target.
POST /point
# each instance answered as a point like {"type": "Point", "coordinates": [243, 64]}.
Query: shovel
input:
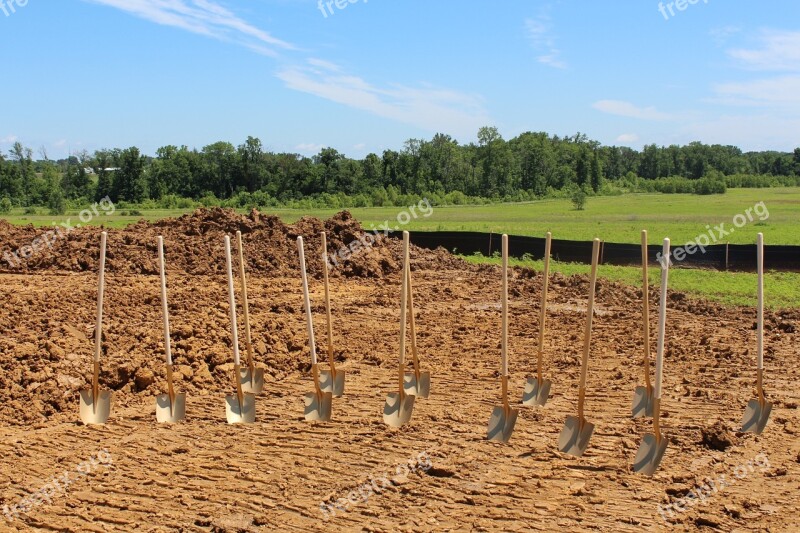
{"type": "Point", "coordinates": [399, 406]}
{"type": "Point", "coordinates": [240, 408]}
{"type": "Point", "coordinates": [252, 378]}
{"type": "Point", "coordinates": [171, 407]}
{"type": "Point", "coordinates": [757, 412]}
{"type": "Point", "coordinates": [317, 403]}
{"type": "Point", "coordinates": [653, 446]}
{"type": "Point", "coordinates": [537, 390]}
{"type": "Point", "coordinates": [330, 380]}
{"type": "Point", "coordinates": [417, 383]}
{"type": "Point", "coordinates": [501, 423]}
{"type": "Point", "coordinates": [574, 438]}
{"type": "Point", "coordinates": [95, 403]}
{"type": "Point", "coordinates": [643, 396]}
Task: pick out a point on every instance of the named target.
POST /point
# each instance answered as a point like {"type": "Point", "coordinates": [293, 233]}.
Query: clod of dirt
{"type": "Point", "coordinates": [717, 437]}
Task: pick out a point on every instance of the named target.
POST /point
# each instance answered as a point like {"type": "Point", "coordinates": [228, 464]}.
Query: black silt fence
{"type": "Point", "coordinates": [738, 257]}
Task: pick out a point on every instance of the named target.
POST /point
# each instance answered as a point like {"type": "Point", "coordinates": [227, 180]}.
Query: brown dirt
{"type": "Point", "coordinates": [207, 476]}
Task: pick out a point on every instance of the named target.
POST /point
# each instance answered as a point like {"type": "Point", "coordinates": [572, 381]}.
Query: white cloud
{"type": "Point", "coordinates": [627, 138]}
{"type": "Point", "coordinates": [721, 35]}
{"type": "Point", "coordinates": [540, 33]}
{"type": "Point", "coordinates": [781, 91]}
{"type": "Point", "coordinates": [750, 132]}
{"type": "Point", "coordinates": [203, 17]}
{"type": "Point", "coordinates": [427, 107]}
{"type": "Point", "coordinates": [778, 51]}
{"type": "Point", "coordinates": [9, 139]}
{"type": "Point", "coordinates": [627, 109]}
{"type": "Point", "coordinates": [360, 146]}
{"type": "Point", "coordinates": [309, 148]}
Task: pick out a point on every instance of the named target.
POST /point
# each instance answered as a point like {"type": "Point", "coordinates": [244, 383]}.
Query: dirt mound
{"type": "Point", "coordinates": [194, 244]}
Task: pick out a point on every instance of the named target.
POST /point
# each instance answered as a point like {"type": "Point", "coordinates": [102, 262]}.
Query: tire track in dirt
{"type": "Point", "coordinates": [207, 476]}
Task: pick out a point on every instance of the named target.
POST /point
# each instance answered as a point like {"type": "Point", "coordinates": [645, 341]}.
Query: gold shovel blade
{"type": "Point", "coordinates": [756, 416]}
{"type": "Point", "coordinates": [328, 384]}
{"type": "Point", "coordinates": [95, 410]}
{"type": "Point", "coordinates": [244, 413]}
{"type": "Point", "coordinates": [252, 382]}
{"type": "Point", "coordinates": [414, 387]}
{"type": "Point", "coordinates": [650, 453]}
{"type": "Point", "coordinates": [501, 424]}
{"type": "Point", "coordinates": [318, 407]}
{"type": "Point", "coordinates": [574, 438]}
{"type": "Point", "coordinates": [643, 402]}
{"type": "Point", "coordinates": [170, 412]}
{"type": "Point", "coordinates": [397, 410]}
{"type": "Point", "coordinates": [536, 392]}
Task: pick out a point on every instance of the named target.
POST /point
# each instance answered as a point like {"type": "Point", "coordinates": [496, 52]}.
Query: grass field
{"type": "Point", "coordinates": [612, 218]}
{"type": "Point", "coordinates": [682, 217]}
{"type": "Point", "coordinates": [781, 289]}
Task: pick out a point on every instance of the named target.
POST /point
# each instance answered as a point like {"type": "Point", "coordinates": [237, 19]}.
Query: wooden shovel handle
{"type": "Point", "coordinates": [646, 310]}
{"type": "Point", "coordinates": [327, 296]}
{"type": "Point", "coordinates": [587, 337]}
{"type": "Point", "coordinates": [307, 302]}
{"type": "Point", "coordinates": [414, 353]}
{"type": "Point", "coordinates": [164, 306]}
{"type": "Point", "coordinates": [245, 302]}
{"type": "Point", "coordinates": [403, 308]}
{"type": "Point", "coordinates": [760, 326]}
{"type": "Point", "coordinates": [504, 309]}
{"type": "Point", "coordinates": [232, 305]}
{"type": "Point", "coordinates": [543, 310]}
{"type": "Point", "coordinates": [101, 287]}
{"type": "Point", "coordinates": [662, 320]}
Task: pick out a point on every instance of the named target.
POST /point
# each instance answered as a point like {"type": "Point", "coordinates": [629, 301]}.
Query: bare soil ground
{"type": "Point", "coordinates": [281, 473]}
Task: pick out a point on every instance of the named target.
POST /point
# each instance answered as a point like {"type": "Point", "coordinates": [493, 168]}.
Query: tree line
{"type": "Point", "coordinates": [531, 165]}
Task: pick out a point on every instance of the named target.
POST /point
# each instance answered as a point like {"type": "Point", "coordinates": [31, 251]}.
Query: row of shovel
{"type": "Point", "coordinates": [577, 431]}
{"type": "Point", "coordinates": [398, 408]}
{"type": "Point", "coordinates": [95, 404]}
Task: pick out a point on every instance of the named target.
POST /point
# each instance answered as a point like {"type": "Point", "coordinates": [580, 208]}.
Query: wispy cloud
{"type": "Point", "coordinates": [203, 17]}
{"type": "Point", "coordinates": [782, 91]}
{"type": "Point", "coordinates": [542, 38]}
{"type": "Point", "coordinates": [427, 107]}
{"type": "Point", "coordinates": [627, 109]}
{"type": "Point", "coordinates": [9, 139]}
{"type": "Point", "coordinates": [627, 138]}
{"type": "Point", "coordinates": [722, 34]}
{"type": "Point", "coordinates": [777, 51]}
{"type": "Point", "coordinates": [309, 148]}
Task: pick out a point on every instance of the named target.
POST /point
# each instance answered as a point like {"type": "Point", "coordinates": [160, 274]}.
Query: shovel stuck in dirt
{"type": "Point", "coordinates": [574, 438]}
{"type": "Point", "coordinates": [331, 380]}
{"type": "Point", "coordinates": [240, 408]}
{"type": "Point", "coordinates": [643, 396]}
{"type": "Point", "coordinates": [170, 407]}
{"type": "Point", "coordinates": [399, 406]}
{"type": "Point", "coordinates": [252, 378]}
{"type": "Point", "coordinates": [756, 414]}
{"type": "Point", "coordinates": [95, 403]}
{"type": "Point", "coordinates": [654, 445]}
{"type": "Point", "coordinates": [537, 390]}
{"type": "Point", "coordinates": [318, 404]}
{"type": "Point", "coordinates": [503, 418]}
{"type": "Point", "coordinates": [418, 382]}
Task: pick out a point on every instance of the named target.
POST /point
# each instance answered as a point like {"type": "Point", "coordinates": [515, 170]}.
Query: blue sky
{"type": "Point", "coordinates": [88, 74]}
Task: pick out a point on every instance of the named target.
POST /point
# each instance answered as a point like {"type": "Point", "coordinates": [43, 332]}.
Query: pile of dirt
{"type": "Point", "coordinates": [194, 244]}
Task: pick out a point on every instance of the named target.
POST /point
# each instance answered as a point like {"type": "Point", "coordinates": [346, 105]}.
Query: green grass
{"type": "Point", "coordinates": [781, 289]}
{"type": "Point", "coordinates": [682, 217]}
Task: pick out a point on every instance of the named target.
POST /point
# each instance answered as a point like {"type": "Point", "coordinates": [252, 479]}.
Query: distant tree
{"type": "Point", "coordinates": [596, 173]}
{"type": "Point", "coordinates": [579, 199]}
{"type": "Point", "coordinates": [129, 181]}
